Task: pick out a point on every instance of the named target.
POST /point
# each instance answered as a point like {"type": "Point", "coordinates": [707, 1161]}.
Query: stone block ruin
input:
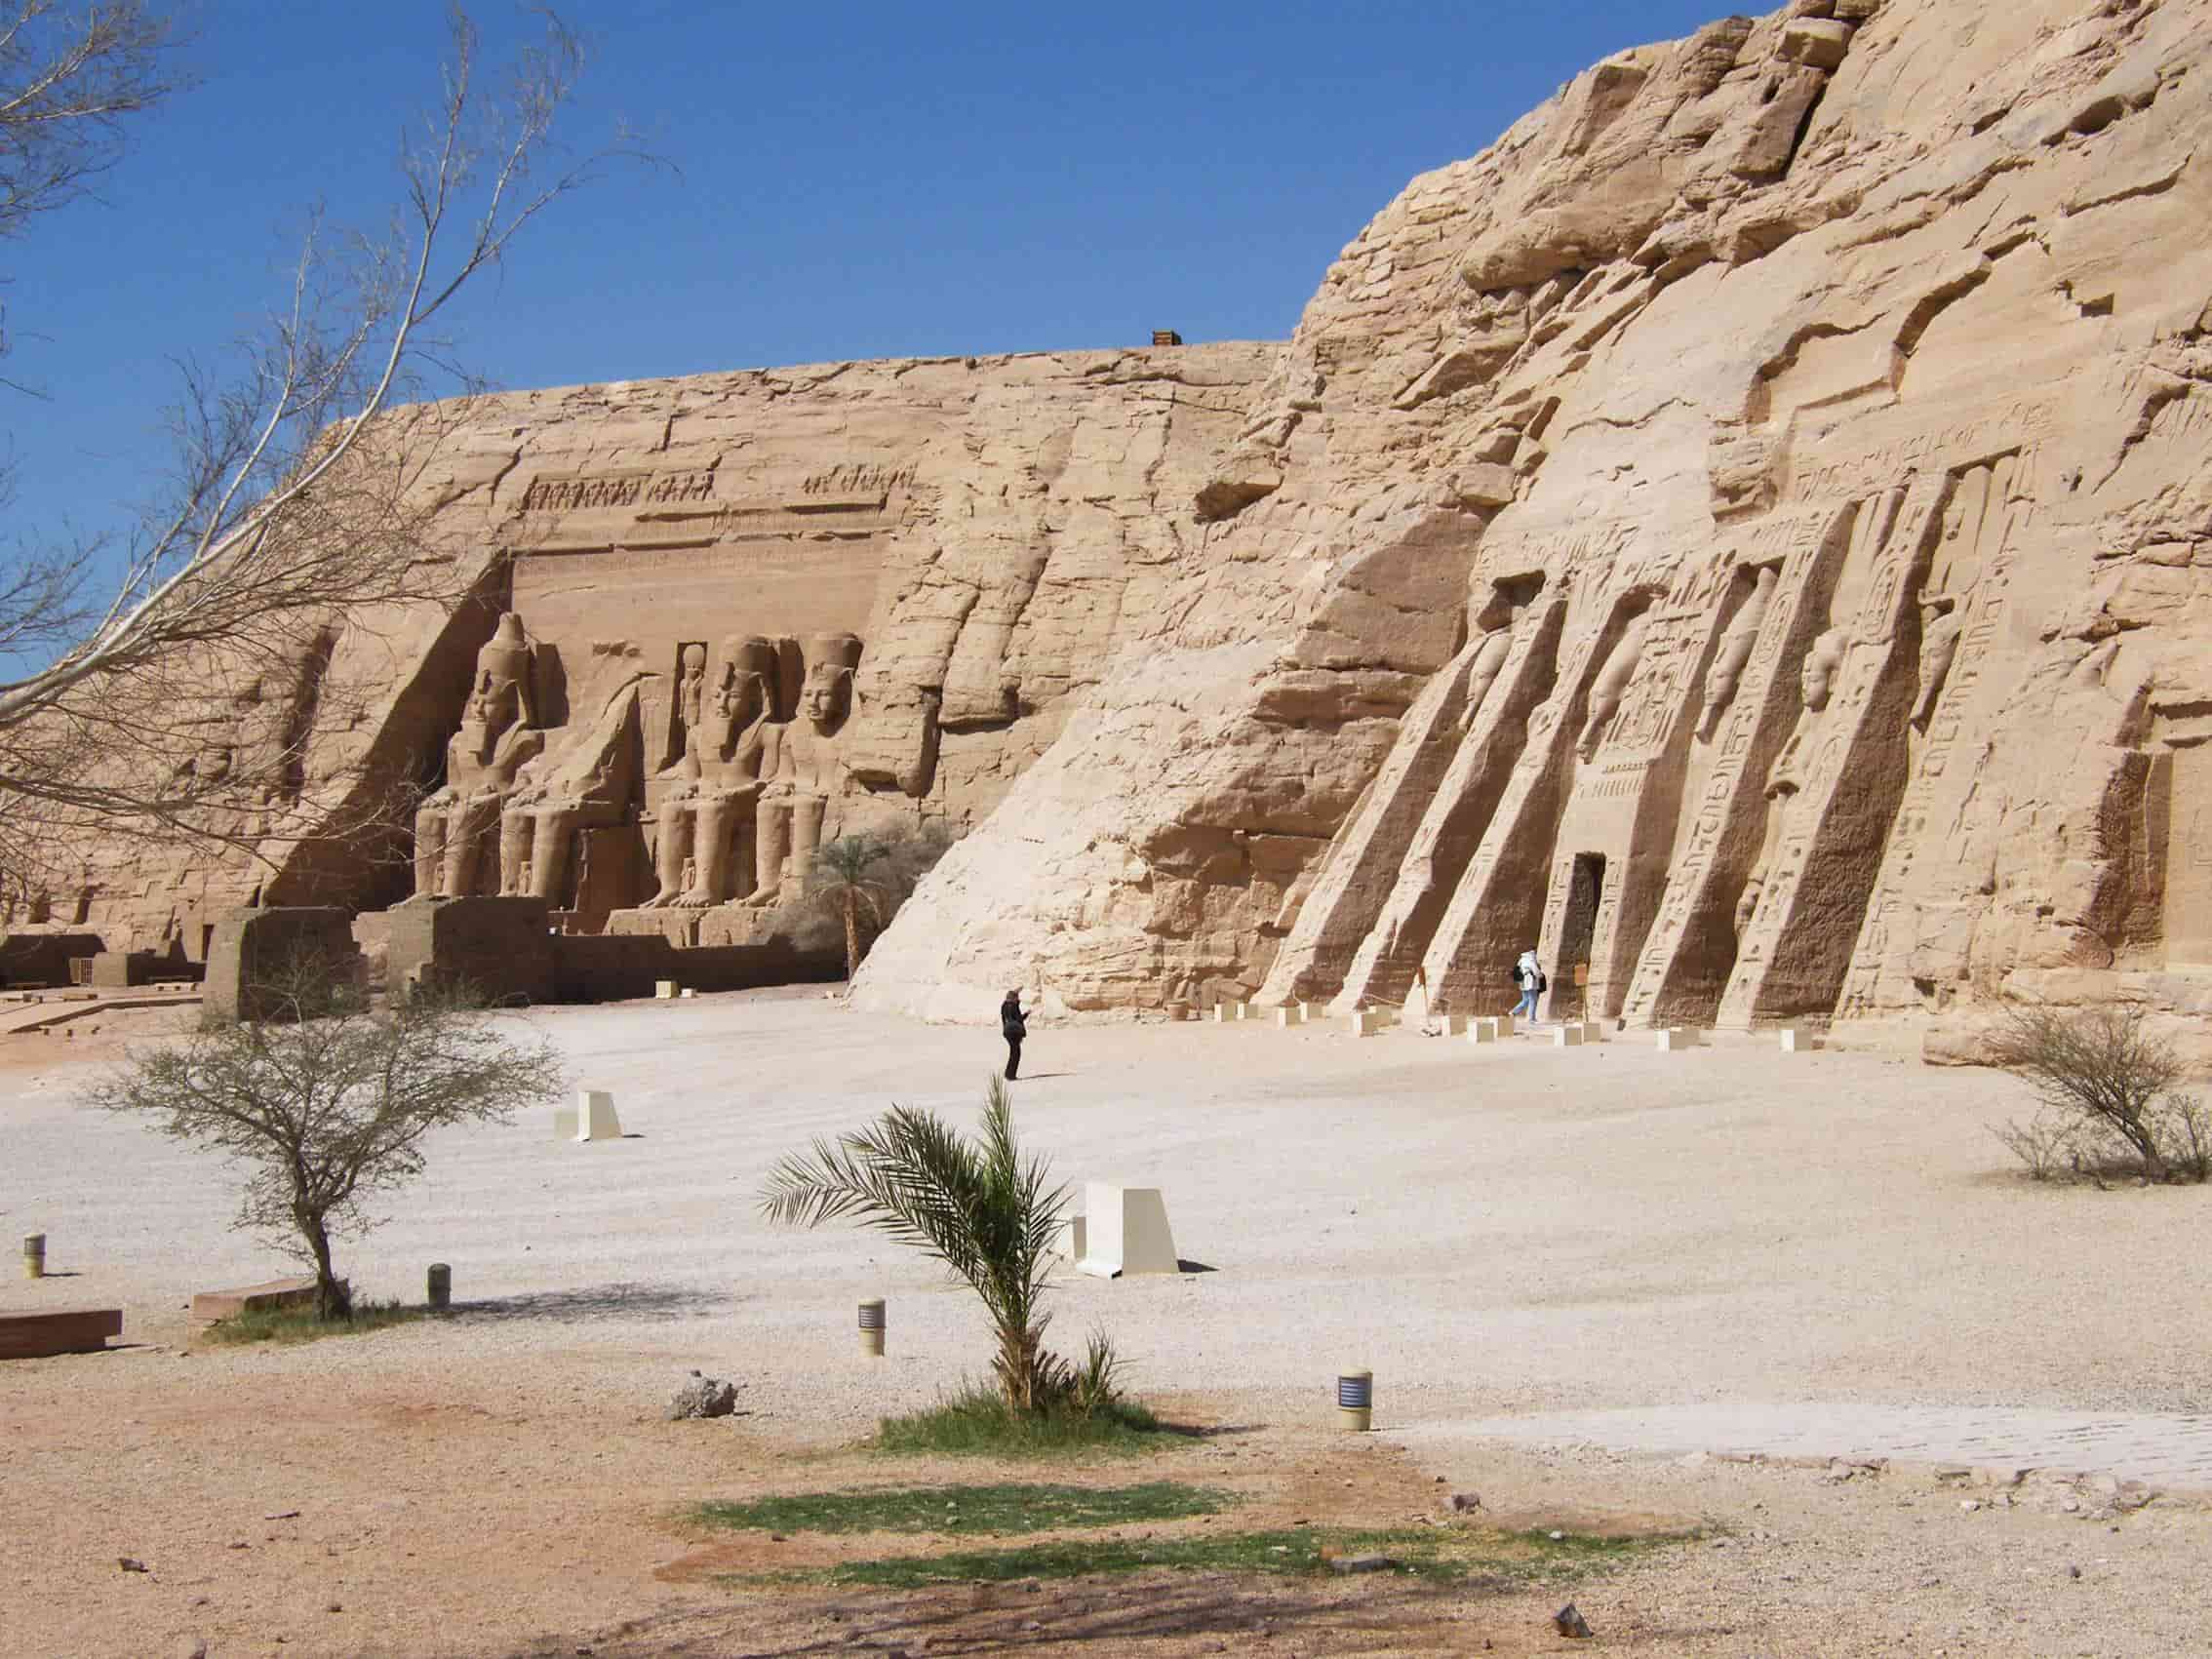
{"type": "Point", "coordinates": [1747, 535]}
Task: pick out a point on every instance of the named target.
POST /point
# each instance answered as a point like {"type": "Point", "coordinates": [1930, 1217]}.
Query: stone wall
{"type": "Point", "coordinates": [1745, 535]}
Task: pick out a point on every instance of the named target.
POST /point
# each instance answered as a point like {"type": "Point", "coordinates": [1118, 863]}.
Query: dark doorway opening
{"type": "Point", "coordinates": [1570, 978]}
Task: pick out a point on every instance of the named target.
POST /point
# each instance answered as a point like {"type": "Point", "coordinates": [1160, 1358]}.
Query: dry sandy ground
{"type": "Point", "coordinates": [1493, 1232]}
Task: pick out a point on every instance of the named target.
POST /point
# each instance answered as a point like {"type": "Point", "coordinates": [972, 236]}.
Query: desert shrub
{"type": "Point", "coordinates": [2110, 1099]}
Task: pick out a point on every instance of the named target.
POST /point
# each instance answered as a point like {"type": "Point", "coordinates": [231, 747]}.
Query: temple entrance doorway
{"type": "Point", "coordinates": [1570, 974]}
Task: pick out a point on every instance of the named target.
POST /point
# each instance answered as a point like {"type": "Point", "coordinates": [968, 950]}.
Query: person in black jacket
{"type": "Point", "coordinates": [1014, 1026]}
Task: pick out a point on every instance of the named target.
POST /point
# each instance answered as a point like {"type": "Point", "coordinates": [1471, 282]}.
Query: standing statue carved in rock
{"type": "Point", "coordinates": [1816, 681]}
{"type": "Point", "coordinates": [1612, 684]}
{"type": "Point", "coordinates": [1730, 660]}
{"type": "Point", "coordinates": [809, 769]}
{"type": "Point", "coordinates": [730, 745]}
{"type": "Point", "coordinates": [497, 740]}
{"type": "Point", "coordinates": [1939, 649]}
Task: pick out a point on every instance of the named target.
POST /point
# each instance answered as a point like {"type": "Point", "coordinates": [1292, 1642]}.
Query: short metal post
{"type": "Point", "coordinates": [1356, 1400]}
{"type": "Point", "coordinates": [441, 1286]}
{"type": "Point", "coordinates": [34, 1255]}
{"type": "Point", "coordinates": [872, 1328]}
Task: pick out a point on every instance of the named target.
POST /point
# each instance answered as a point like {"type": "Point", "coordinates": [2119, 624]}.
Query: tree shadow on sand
{"type": "Point", "coordinates": [620, 1300]}
{"type": "Point", "coordinates": [1108, 1614]}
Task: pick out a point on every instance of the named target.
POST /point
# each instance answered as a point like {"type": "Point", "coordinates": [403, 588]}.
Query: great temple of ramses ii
{"type": "Point", "coordinates": [1747, 535]}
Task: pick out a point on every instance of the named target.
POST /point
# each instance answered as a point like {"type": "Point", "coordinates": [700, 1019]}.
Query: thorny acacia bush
{"type": "Point", "coordinates": [327, 1100]}
{"type": "Point", "coordinates": [2110, 1101]}
{"type": "Point", "coordinates": [979, 1208]}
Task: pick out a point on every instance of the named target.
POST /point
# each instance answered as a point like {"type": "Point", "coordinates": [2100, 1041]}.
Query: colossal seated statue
{"type": "Point", "coordinates": [810, 771]}
{"type": "Point", "coordinates": [497, 740]}
{"type": "Point", "coordinates": [729, 743]}
{"type": "Point", "coordinates": [589, 784]}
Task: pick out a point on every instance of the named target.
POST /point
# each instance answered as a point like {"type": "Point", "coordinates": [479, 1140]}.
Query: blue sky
{"type": "Point", "coordinates": [852, 181]}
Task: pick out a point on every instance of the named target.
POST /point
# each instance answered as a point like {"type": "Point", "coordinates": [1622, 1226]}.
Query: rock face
{"type": "Point", "coordinates": [710, 622]}
{"type": "Point", "coordinates": [1740, 534]}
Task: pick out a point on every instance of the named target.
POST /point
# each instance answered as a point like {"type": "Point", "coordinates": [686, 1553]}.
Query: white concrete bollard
{"type": "Point", "coordinates": [1125, 1231]}
{"type": "Point", "coordinates": [1074, 1235]}
{"type": "Point", "coordinates": [1594, 1031]}
{"type": "Point", "coordinates": [664, 989]}
{"type": "Point", "coordinates": [1454, 1025]}
{"type": "Point", "coordinates": [1673, 1038]}
{"type": "Point", "coordinates": [1367, 1022]}
{"type": "Point", "coordinates": [1796, 1039]}
{"type": "Point", "coordinates": [1566, 1037]}
{"type": "Point", "coordinates": [1283, 1020]}
{"type": "Point", "coordinates": [687, 991]}
{"type": "Point", "coordinates": [1220, 1013]}
{"type": "Point", "coordinates": [595, 1116]}
{"type": "Point", "coordinates": [1306, 1014]}
{"type": "Point", "coordinates": [1244, 1010]}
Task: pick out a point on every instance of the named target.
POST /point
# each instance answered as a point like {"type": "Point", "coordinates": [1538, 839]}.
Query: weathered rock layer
{"type": "Point", "coordinates": [1747, 535]}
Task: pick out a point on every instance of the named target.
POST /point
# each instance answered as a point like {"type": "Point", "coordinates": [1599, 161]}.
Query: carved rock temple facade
{"type": "Point", "coordinates": [1747, 535]}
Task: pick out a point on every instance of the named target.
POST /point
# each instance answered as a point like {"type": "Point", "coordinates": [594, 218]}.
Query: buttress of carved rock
{"type": "Point", "coordinates": [703, 804]}
{"type": "Point", "coordinates": [811, 776]}
{"type": "Point", "coordinates": [1514, 673]}
{"type": "Point", "coordinates": [1836, 791]}
{"type": "Point", "coordinates": [1917, 944]}
{"type": "Point", "coordinates": [1497, 908]}
{"type": "Point", "coordinates": [1689, 946]}
{"type": "Point", "coordinates": [1341, 902]}
{"type": "Point", "coordinates": [1624, 804]}
{"type": "Point", "coordinates": [497, 738]}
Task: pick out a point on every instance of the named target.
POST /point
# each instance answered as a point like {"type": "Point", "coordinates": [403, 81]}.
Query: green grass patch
{"type": "Point", "coordinates": [299, 1324]}
{"type": "Point", "coordinates": [1437, 1555]}
{"type": "Point", "coordinates": [978, 1423]}
{"type": "Point", "coordinates": [1001, 1510]}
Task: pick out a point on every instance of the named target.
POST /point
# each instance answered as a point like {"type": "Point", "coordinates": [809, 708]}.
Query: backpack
{"type": "Point", "coordinates": [1542, 984]}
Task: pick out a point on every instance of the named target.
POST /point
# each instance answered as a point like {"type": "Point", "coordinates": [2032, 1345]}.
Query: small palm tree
{"type": "Point", "coordinates": [839, 880]}
{"type": "Point", "coordinates": [978, 1207]}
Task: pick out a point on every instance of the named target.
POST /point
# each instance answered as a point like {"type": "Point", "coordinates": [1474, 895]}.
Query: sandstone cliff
{"type": "Point", "coordinates": [989, 528]}
{"type": "Point", "coordinates": [1740, 534]}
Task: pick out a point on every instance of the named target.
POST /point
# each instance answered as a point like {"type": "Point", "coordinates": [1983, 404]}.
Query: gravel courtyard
{"type": "Point", "coordinates": [1499, 1233]}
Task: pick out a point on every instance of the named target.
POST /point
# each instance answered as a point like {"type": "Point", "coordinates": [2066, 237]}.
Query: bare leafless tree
{"type": "Point", "coordinates": [177, 700]}
{"type": "Point", "coordinates": [327, 1098]}
{"type": "Point", "coordinates": [2110, 1091]}
{"type": "Point", "coordinates": [70, 76]}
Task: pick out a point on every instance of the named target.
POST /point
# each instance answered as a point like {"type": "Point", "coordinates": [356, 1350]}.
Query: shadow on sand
{"type": "Point", "coordinates": [621, 1300]}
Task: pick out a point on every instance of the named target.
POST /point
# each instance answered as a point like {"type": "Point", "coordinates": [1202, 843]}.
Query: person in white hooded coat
{"type": "Point", "coordinates": [1529, 975]}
